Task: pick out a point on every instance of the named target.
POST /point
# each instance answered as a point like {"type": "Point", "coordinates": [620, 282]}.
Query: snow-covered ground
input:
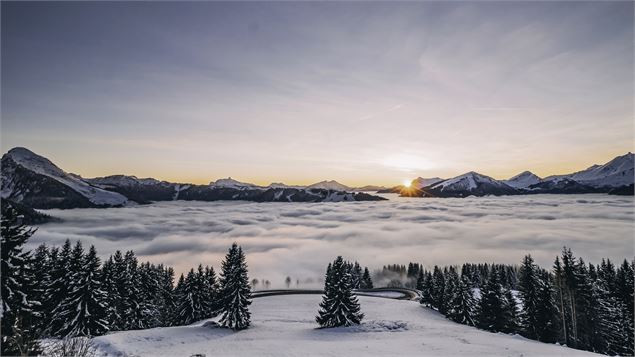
{"type": "Point", "coordinates": [285, 326]}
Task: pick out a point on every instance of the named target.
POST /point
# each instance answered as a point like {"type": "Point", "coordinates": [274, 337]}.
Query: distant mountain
{"type": "Point", "coordinates": [32, 181]}
{"type": "Point", "coordinates": [330, 185]}
{"type": "Point", "coordinates": [230, 182]}
{"type": "Point", "coordinates": [283, 185]}
{"type": "Point", "coordinates": [421, 182]}
{"type": "Point", "coordinates": [138, 190]}
{"type": "Point", "coordinates": [369, 188]}
{"type": "Point", "coordinates": [523, 180]}
{"type": "Point", "coordinates": [468, 184]}
{"type": "Point", "coordinates": [36, 182]}
{"type": "Point", "coordinates": [394, 189]}
{"type": "Point", "coordinates": [615, 173]}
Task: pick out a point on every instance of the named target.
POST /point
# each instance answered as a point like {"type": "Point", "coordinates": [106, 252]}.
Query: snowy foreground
{"type": "Point", "coordinates": [285, 326]}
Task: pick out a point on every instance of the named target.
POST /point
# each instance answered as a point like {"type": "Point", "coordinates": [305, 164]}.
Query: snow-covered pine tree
{"type": "Point", "coordinates": [547, 316]}
{"type": "Point", "coordinates": [72, 274]}
{"type": "Point", "coordinates": [510, 312]}
{"type": "Point", "coordinates": [59, 287]}
{"type": "Point", "coordinates": [451, 281]}
{"type": "Point", "coordinates": [462, 306]}
{"type": "Point", "coordinates": [136, 309]}
{"type": "Point", "coordinates": [528, 287]}
{"type": "Point", "coordinates": [113, 299]}
{"type": "Point", "coordinates": [150, 300]}
{"type": "Point", "coordinates": [367, 282]}
{"type": "Point", "coordinates": [356, 276]}
{"type": "Point", "coordinates": [235, 290]}
{"type": "Point", "coordinates": [609, 337]}
{"type": "Point", "coordinates": [166, 291]}
{"type": "Point", "coordinates": [491, 314]}
{"type": "Point", "coordinates": [84, 309]}
{"type": "Point", "coordinates": [339, 307]}
{"type": "Point", "coordinates": [41, 271]}
{"type": "Point", "coordinates": [426, 291]}
{"type": "Point", "coordinates": [420, 280]}
{"type": "Point", "coordinates": [210, 294]}
{"type": "Point", "coordinates": [177, 293]}
{"type": "Point", "coordinates": [187, 304]}
{"type": "Point", "coordinates": [19, 337]}
{"type": "Point", "coordinates": [624, 293]}
{"type": "Point", "coordinates": [437, 289]}
{"type": "Point", "coordinates": [64, 313]}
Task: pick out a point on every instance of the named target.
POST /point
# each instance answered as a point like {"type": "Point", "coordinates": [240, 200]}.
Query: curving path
{"type": "Point", "coordinates": [386, 293]}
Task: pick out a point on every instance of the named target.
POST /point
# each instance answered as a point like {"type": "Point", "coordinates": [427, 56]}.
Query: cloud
{"type": "Point", "coordinates": [299, 239]}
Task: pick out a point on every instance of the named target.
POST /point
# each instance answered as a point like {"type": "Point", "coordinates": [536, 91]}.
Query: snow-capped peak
{"type": "Point", "coordinates": [43, 166]}
{"type": "Point", "coordinates": [330, 185]}
{"type": "Point", "coordinates": [231, 183]}
{"type": "Point", "coordinates": [420, 182]}
{"type": "Point", "coordinates": [34, 162]}
{"type": "Point", "coordinates": [467, 181]}
{"type": "Point", "coordinates": [523, 180]}
{"type": "Point", "coordinates": [615, 173]}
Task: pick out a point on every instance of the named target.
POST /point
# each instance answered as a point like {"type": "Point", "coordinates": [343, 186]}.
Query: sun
{"type": "Point", "coordinates": [407, 183]}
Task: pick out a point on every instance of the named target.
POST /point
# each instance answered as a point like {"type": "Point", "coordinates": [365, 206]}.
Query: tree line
{"type": "Point", "coordinates": [583, 306]}
{"type": "Point", "coordinates": [67, 292]}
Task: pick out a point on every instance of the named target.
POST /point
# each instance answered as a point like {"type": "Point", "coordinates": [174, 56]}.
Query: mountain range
{"type": "Point", "coordinates": [614, 177]}
{"type": "Point", "coordinates": [31, 180]}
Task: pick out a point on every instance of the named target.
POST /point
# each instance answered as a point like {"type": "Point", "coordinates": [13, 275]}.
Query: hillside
{"type": "Point", "coordinates": [285, 326]}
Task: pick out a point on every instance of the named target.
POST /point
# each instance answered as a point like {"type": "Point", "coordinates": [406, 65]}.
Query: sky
{"type": "Point", "coordinates": [359, 92]}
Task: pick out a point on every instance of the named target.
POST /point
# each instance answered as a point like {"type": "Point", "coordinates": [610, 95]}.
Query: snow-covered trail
{"type": "Point", "coordinates": [285, 326]}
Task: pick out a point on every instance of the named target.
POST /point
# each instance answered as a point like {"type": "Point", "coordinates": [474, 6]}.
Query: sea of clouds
{"type": "Point", "coordinates": [299, 239]}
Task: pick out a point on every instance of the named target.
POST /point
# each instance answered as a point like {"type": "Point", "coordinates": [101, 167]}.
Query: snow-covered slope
{"type": "Point", "coordinates": [330, 185]}
{"type": "Point", "coordinates": [615, 173]}
{"type": "Point", "coordinates": [523, 180]}
{"type": "Point", "coordinates": [285, 326]}
{"type": "Point", "coordinates": [421, 182]}
{"type": "Point", "coordinates": [22, 170]}
{"type": "Point", "coordinates": [471, 183]}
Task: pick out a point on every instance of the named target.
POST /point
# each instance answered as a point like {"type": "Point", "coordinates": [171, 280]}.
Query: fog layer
{"type": "Point", "coordinates": [298, 239]}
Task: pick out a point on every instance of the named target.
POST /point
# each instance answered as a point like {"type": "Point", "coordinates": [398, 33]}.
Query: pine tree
{"type": "Point", "coordinates": [426, 291]}
{"type": "Point", "coordinates": [356, 276]}
{"type": "Point", "coordinates": [449, 289]}
{"type": "Point", "coordinates": [41, 268]}
{"type": "Point", "coordinates": [624, 286]}
{"type": "Point", "coordinates": [510, 312]}
{"type": "Point", "coordinates": [166, 290]}
{"type": "Point", "coordinates": [491, 310]}
{"type": "Point", "coordinates": [420, 280]}
{"type": "Point", "coordinates": [235, 290]}
{"type": "Point", "coordinates": [367, 282]}
{"type": "Point", "coordinates": [339, 307]}
{"type": "Point", "coordinates": [461, 307]}
{"type": "Point", "coordinates": [19, 336]}
{"type": "Point", "coordinates": [547, 315]}
{"type": "Point", "coordinates": [210, 294]}
{"type": "Point", "coordinates": [188, 305]}
{"type": "Point", "coordinates": [437, 289]}
{"type": "Point", "coordinates": [84, 310]}
{"type": "Point", "coordinates": [528, 286]}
